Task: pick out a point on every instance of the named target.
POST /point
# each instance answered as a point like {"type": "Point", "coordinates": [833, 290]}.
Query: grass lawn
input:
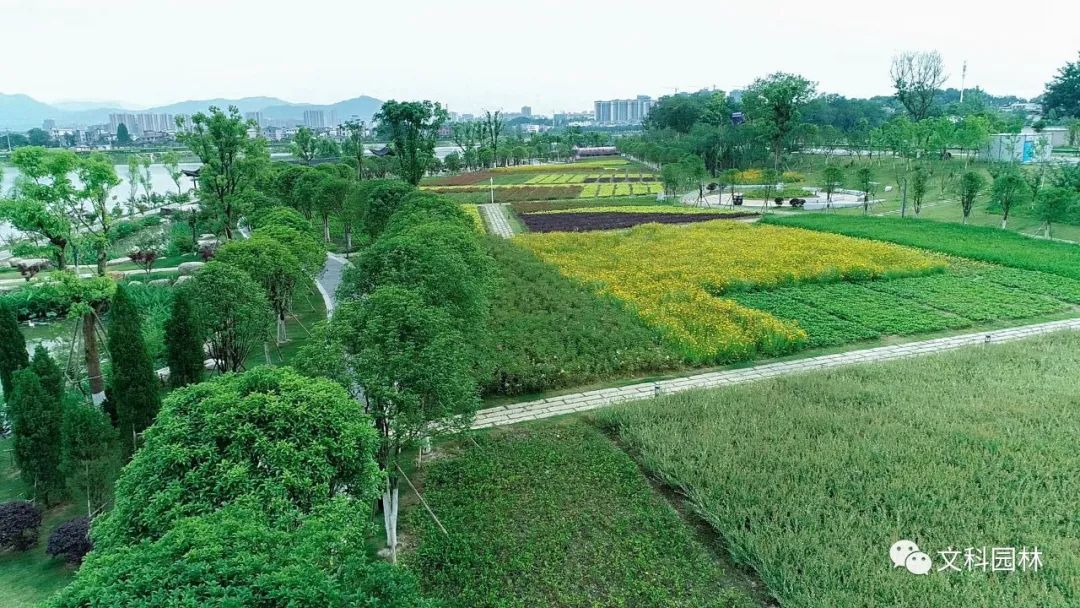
{"type": "Point", "coordinates": [557, 516]}
{"type": "Point", "coordinates": [309, 309]}
{"type": "Point", "coordinates": [29, 577]}
{"type": "Point", "coordinates": [810, 479]}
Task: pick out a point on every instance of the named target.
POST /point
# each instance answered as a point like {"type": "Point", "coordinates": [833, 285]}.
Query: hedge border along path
{"type": "Point", "coordinates": [975, 242]}
{"type": "Point", "coordinates": [567, 404]}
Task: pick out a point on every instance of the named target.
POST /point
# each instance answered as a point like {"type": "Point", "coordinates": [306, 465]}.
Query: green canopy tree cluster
{"type": "Point", "coordinates": [250, 489]}
{"type": "Point", "coordinates": [410, 326]}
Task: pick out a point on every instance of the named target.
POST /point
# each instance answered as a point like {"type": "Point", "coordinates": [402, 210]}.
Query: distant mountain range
{"type": "Point", "coordinates": [21, 112]}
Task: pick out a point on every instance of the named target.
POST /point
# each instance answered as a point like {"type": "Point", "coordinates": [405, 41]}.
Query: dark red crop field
{"type": "Point", "coordinates": [583, 222]}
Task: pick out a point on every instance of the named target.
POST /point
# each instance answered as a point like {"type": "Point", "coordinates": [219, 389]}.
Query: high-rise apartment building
{"type": "Point", "coordinates": [623, 111]}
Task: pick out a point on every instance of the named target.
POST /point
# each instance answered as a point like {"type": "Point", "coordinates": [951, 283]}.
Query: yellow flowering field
{"type": "Point", "coordinates": [673, 275]}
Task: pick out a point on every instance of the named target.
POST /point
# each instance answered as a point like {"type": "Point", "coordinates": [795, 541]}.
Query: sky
{"type": "Point", "coordinates": [472, 55]}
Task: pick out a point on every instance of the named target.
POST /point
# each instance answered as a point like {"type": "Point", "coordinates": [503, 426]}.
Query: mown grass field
{"type": "Point", "coordinates": [557, 516]}
{"type": "Point", "coordinates": [810, 479]}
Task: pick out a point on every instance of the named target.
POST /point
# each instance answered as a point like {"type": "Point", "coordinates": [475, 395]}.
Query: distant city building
{"type": "Point", "coordinates": [315, 119]}
{"type": "Point", "coordinates": [256, 116]}
{"type": "Point", "coordinates": [48, 124]}
{"type": "Point", "coordinates": [623, 111]}
{"type": "Point", "coordinates": [526, 110]}
{"type": "Point", "coordinates": [137, 124]}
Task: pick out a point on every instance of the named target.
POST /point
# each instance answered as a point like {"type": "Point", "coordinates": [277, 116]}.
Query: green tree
{"type": "Point", "coordinates": [381, 198]}
{"type": "Point", "coordinates": [134, 165]}
{"type": "Point", "coordinates": [917, 77]}
{"type": "Point", "coordinates": [48, 373]}
{"type": "Point", "coordinates": [1062, 95]}
{"type": "Point", "coordinates": [133, 384]}
{"type": "Point", "coordinates": [123, 138]}
{"type": "Point", "coordinates": [272, 266]}
{"type": "Point", "coordinates": [233, 310]}
{"type": "Point", "coordinates": [1054, 205]}
{"type": "Point", "coordinates": [774, 104]}
{"type": "Point", "coordinates": [303, 145]}
{"type": "Point", "coordinates": [492, 126]}
{"type": "Point", "coordinates": [920, 184]}
{"type": "Point", "coordinates": [412, 127]}
{"type": "Point", "coordinates": [410, 362]}
{"type": "Point", "coordinates": [1008, 190]}
{"type": "Point", "coordinates": [184, 341]}
{"type": "Point", "coordinates": [971, 185]}
{"type": "Point", "coordinates": [88, 455]}
{"type": "Point", "coordinates": [354, 144]}
{"type": "Point", "coordinates": [832, 179]}
{"type": "Point", "coordinates": [36, 418]}
{"type": "Point", "coordinates": [171, 161]}
{"type": "Point", "coordinates": [237, 556]}
{"type": "Point", "coordinates": [13, 355]}
{"type": "Point", "coordinates": [864, 180]}
{"type": "Point", "coordinates": [270, 436]}
{"type": "Point", "coordinates": [90, 204]}
{"type": "Point", "coordinates": [309, 251]}
{"type": "Point", "coordinates": [39, 201]}
{"type": "Point", "coordinates": [232, 162]}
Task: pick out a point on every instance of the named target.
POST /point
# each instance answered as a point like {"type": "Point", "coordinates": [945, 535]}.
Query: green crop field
{"type": "Point", "coordinates": [557, 516]}
{"type": "Point", "coordinates": [975, 242]}
{"type": "Point", "coordinates": [810, 479]}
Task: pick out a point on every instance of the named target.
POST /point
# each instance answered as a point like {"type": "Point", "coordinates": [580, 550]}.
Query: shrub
{"type": "Point", "coordinates": [19, 523]}
{"type": "Point", "coordinates": [71, 540]}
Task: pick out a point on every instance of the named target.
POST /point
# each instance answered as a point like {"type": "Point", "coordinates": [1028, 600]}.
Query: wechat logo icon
{"type": "Point", "coordinates": [906, 554]}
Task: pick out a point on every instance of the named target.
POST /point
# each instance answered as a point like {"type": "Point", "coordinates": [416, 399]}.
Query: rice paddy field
{"type": "Point", "coordinates": [809, 480]}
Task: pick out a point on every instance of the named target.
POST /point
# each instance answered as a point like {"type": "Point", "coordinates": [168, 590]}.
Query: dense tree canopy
{"type": "Point", "coordinates": [1062, 95]}
{"type": "Point", "coordinates": [287, 442]}
{"type": "Point", "coordinates": [412, 127]}
{"type": "Point", "coordinates": [233, 311]}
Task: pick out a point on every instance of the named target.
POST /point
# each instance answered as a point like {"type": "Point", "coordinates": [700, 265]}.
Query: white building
{"type": "Point", "coordinates": [1018, 147]}
{"type": "Point", "coordinates": [623, 111]}
{"type": "Point", "coordinates": [315, 119]}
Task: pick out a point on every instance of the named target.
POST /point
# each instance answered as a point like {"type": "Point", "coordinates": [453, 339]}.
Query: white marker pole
{"type": "Point", "coordinates": [492, 182]}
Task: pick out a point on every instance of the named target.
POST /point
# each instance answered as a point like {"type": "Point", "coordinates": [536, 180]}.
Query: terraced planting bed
{"type": "Point", "coordinates": [583, 221]}
{"type": "Point", "coordinates": [615, 177]}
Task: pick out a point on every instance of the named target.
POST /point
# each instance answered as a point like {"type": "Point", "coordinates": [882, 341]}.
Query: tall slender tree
{"type": "Point", "coordinates": [88, 455]}
{"type": "Point", "coordinates": [36, 418]}
{"type": "Point", "coordinates": [917, 77]}
{"type": "Point", "coordinates": [232, 162]}
{"type": "Point", "coordinates": [184, 341]}
{"type": "Point", "coordinates": [52, 379]}
{"type": "Point", "coordinates": [412, 128]}
{"type": "Point", "coordinates": [13, 355]}
{"type": "Point", "coordinates": [133, 384]}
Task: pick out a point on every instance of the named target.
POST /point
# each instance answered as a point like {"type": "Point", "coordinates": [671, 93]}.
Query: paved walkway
{"type": "Point", "coordinates": [329, 280]}
{"type": "Point", "coordinates": [580, 402]}
{"type": "Point", "coordinates": [495, 218]}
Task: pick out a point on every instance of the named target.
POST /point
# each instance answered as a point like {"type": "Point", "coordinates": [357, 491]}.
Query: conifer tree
{"type": "Point", "coordinates": [134, 385]}
{"type": "Point", "coordinates": [184, 342]}
{"type": "Point", "coordinates": [87, 455]}
{"type": "Point", "coordinates": [36, 419]}
{"type": "Point", "coordinates": [13, 354]}
{"type": "Point", "coordinates": [52, 379]}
